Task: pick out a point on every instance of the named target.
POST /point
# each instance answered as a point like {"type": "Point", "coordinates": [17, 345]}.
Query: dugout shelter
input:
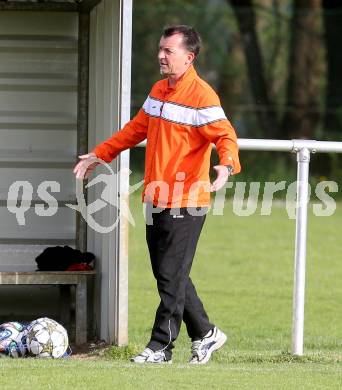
{"type": "Point", "coordinates": [64, 86]}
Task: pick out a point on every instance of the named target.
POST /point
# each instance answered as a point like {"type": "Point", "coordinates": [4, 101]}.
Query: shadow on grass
{"type": "Point", "coordinates": [282, 357]}
{"type": "Point", "coordinates": [236, 357]}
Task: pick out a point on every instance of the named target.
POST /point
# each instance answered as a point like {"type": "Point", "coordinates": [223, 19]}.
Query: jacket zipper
{"type": "Point", "coordinates": [157, 136]}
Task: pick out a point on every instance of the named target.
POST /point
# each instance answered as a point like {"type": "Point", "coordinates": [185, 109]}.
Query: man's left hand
{"type": "Point", "coordinates": [221, 179]}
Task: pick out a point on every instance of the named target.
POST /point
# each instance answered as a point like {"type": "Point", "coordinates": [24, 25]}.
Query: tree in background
{"type": "Point", "coordinates": [210, 17]}
{"type": "Point", "coordinates": [332, 39]}
{"type": "Point", "coordinates": [274, 63]}
{"type": "Point", "coordinates": [245, 15]}
{"type": "Point", "coordinates": [299, 116]}
{"type": "Point", "coordinates": [302, 101]}
{"type": "Point", "coordinates": [266, 59]}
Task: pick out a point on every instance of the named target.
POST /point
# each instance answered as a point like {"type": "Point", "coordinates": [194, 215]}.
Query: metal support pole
{"type": "Point", "coordinates": [303, 160]}
{"type": "Point", "coordinates": [82, 112]}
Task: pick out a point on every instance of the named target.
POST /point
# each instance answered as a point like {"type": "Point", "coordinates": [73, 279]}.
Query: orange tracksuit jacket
{"type": "Point", "coordinates": [179, 123]}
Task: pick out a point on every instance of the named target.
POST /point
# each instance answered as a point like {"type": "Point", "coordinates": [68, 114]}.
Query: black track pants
{"type": "Point", "coordinates": [172, 241]}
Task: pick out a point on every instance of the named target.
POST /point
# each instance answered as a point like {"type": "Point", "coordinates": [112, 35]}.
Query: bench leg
{"type": "Point", "coordinates": [81, 311]}
{"type": "Point", "coordinates": [65, 298]}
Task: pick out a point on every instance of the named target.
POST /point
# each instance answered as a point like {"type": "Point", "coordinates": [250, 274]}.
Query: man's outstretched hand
{"type": "Point", "coordinates": [85, 167]}
{"type": "Point", "coordinates": [221, 179]}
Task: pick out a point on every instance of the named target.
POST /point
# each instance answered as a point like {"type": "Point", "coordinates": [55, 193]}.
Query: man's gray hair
{"type": "Point", "coordinates": [191, 38]}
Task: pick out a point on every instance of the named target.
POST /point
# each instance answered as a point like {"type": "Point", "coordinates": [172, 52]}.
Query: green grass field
{"type": "Point", "coordinates": [243, 272]}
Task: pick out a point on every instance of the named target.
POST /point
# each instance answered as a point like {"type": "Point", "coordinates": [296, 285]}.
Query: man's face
{"type": "Point", "coordinates": [174, 58]}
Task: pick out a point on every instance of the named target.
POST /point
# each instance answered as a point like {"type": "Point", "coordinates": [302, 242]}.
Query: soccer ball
{"type": "Point", "coordinates": [46, 338]}
{"type": "Point", "coordinates": [13, 339]}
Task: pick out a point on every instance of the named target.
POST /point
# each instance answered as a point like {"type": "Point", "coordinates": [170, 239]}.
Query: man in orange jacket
{"type": "Point", "coordinates": [180, 119]}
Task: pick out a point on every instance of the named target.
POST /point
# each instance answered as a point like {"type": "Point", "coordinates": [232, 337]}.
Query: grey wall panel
{"type": "Point", "coordinates": [38, 23]}
{"type": "Point", "coordinates": [110, 32]}
{"type": "Point", "coordinates": [19, 257]}
{"type": "Point", "coordinates": [38, 121]}
{"type": "Point", "coordinates": [42, 120]}
{"type": "Point", "coordinates": [41, 140]}
{"type": "Point", "coordinates": [36, 176]}
{"type": "Point", "coordinates": [60, 225]}
{"type": "Point", "coordinates": [37, 101]}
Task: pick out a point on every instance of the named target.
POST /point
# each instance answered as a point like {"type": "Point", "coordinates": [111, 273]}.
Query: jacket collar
{"type": "Point", "coordinates": [185, 79]}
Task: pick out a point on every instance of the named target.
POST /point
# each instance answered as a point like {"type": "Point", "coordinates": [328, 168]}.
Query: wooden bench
{"type": "Point", "coordinates": [64, 279]}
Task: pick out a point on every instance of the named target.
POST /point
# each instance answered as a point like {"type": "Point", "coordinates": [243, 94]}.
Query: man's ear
{"type": "Point", "coordinates": [190, 58]}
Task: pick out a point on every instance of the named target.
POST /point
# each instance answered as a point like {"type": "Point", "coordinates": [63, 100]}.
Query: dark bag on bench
{"type": "Point", "coordinates": [60, 258]}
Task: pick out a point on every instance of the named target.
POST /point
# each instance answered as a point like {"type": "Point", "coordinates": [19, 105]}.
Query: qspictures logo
{"type": "Point", "coordinates": [248, 198]}
{"type": "Point", "coordinates": [108, 196]}
{"type": "Point", "coordinates": [20, 198]}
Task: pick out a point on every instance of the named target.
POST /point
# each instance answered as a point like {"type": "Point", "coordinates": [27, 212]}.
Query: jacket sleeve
{"type": "Point", "coordinates": [130, 135]}
{"type": "Point", "coordinates": [216, 128]}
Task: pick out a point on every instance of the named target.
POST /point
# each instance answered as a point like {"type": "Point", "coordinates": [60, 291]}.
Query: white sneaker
{"type": "Point", "coordinates": [149, 356]}
{"type": "Point", "coordinates": [201, 350]}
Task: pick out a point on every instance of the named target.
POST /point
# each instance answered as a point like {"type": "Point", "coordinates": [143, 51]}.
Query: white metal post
{"type": "Point", "coordinates": [303, 148]}
{"type": "Point", "coordinates": [303, 160]}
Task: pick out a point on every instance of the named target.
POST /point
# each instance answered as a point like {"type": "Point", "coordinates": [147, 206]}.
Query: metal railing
{"type": "Point", "coordinates": [303, 149]}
